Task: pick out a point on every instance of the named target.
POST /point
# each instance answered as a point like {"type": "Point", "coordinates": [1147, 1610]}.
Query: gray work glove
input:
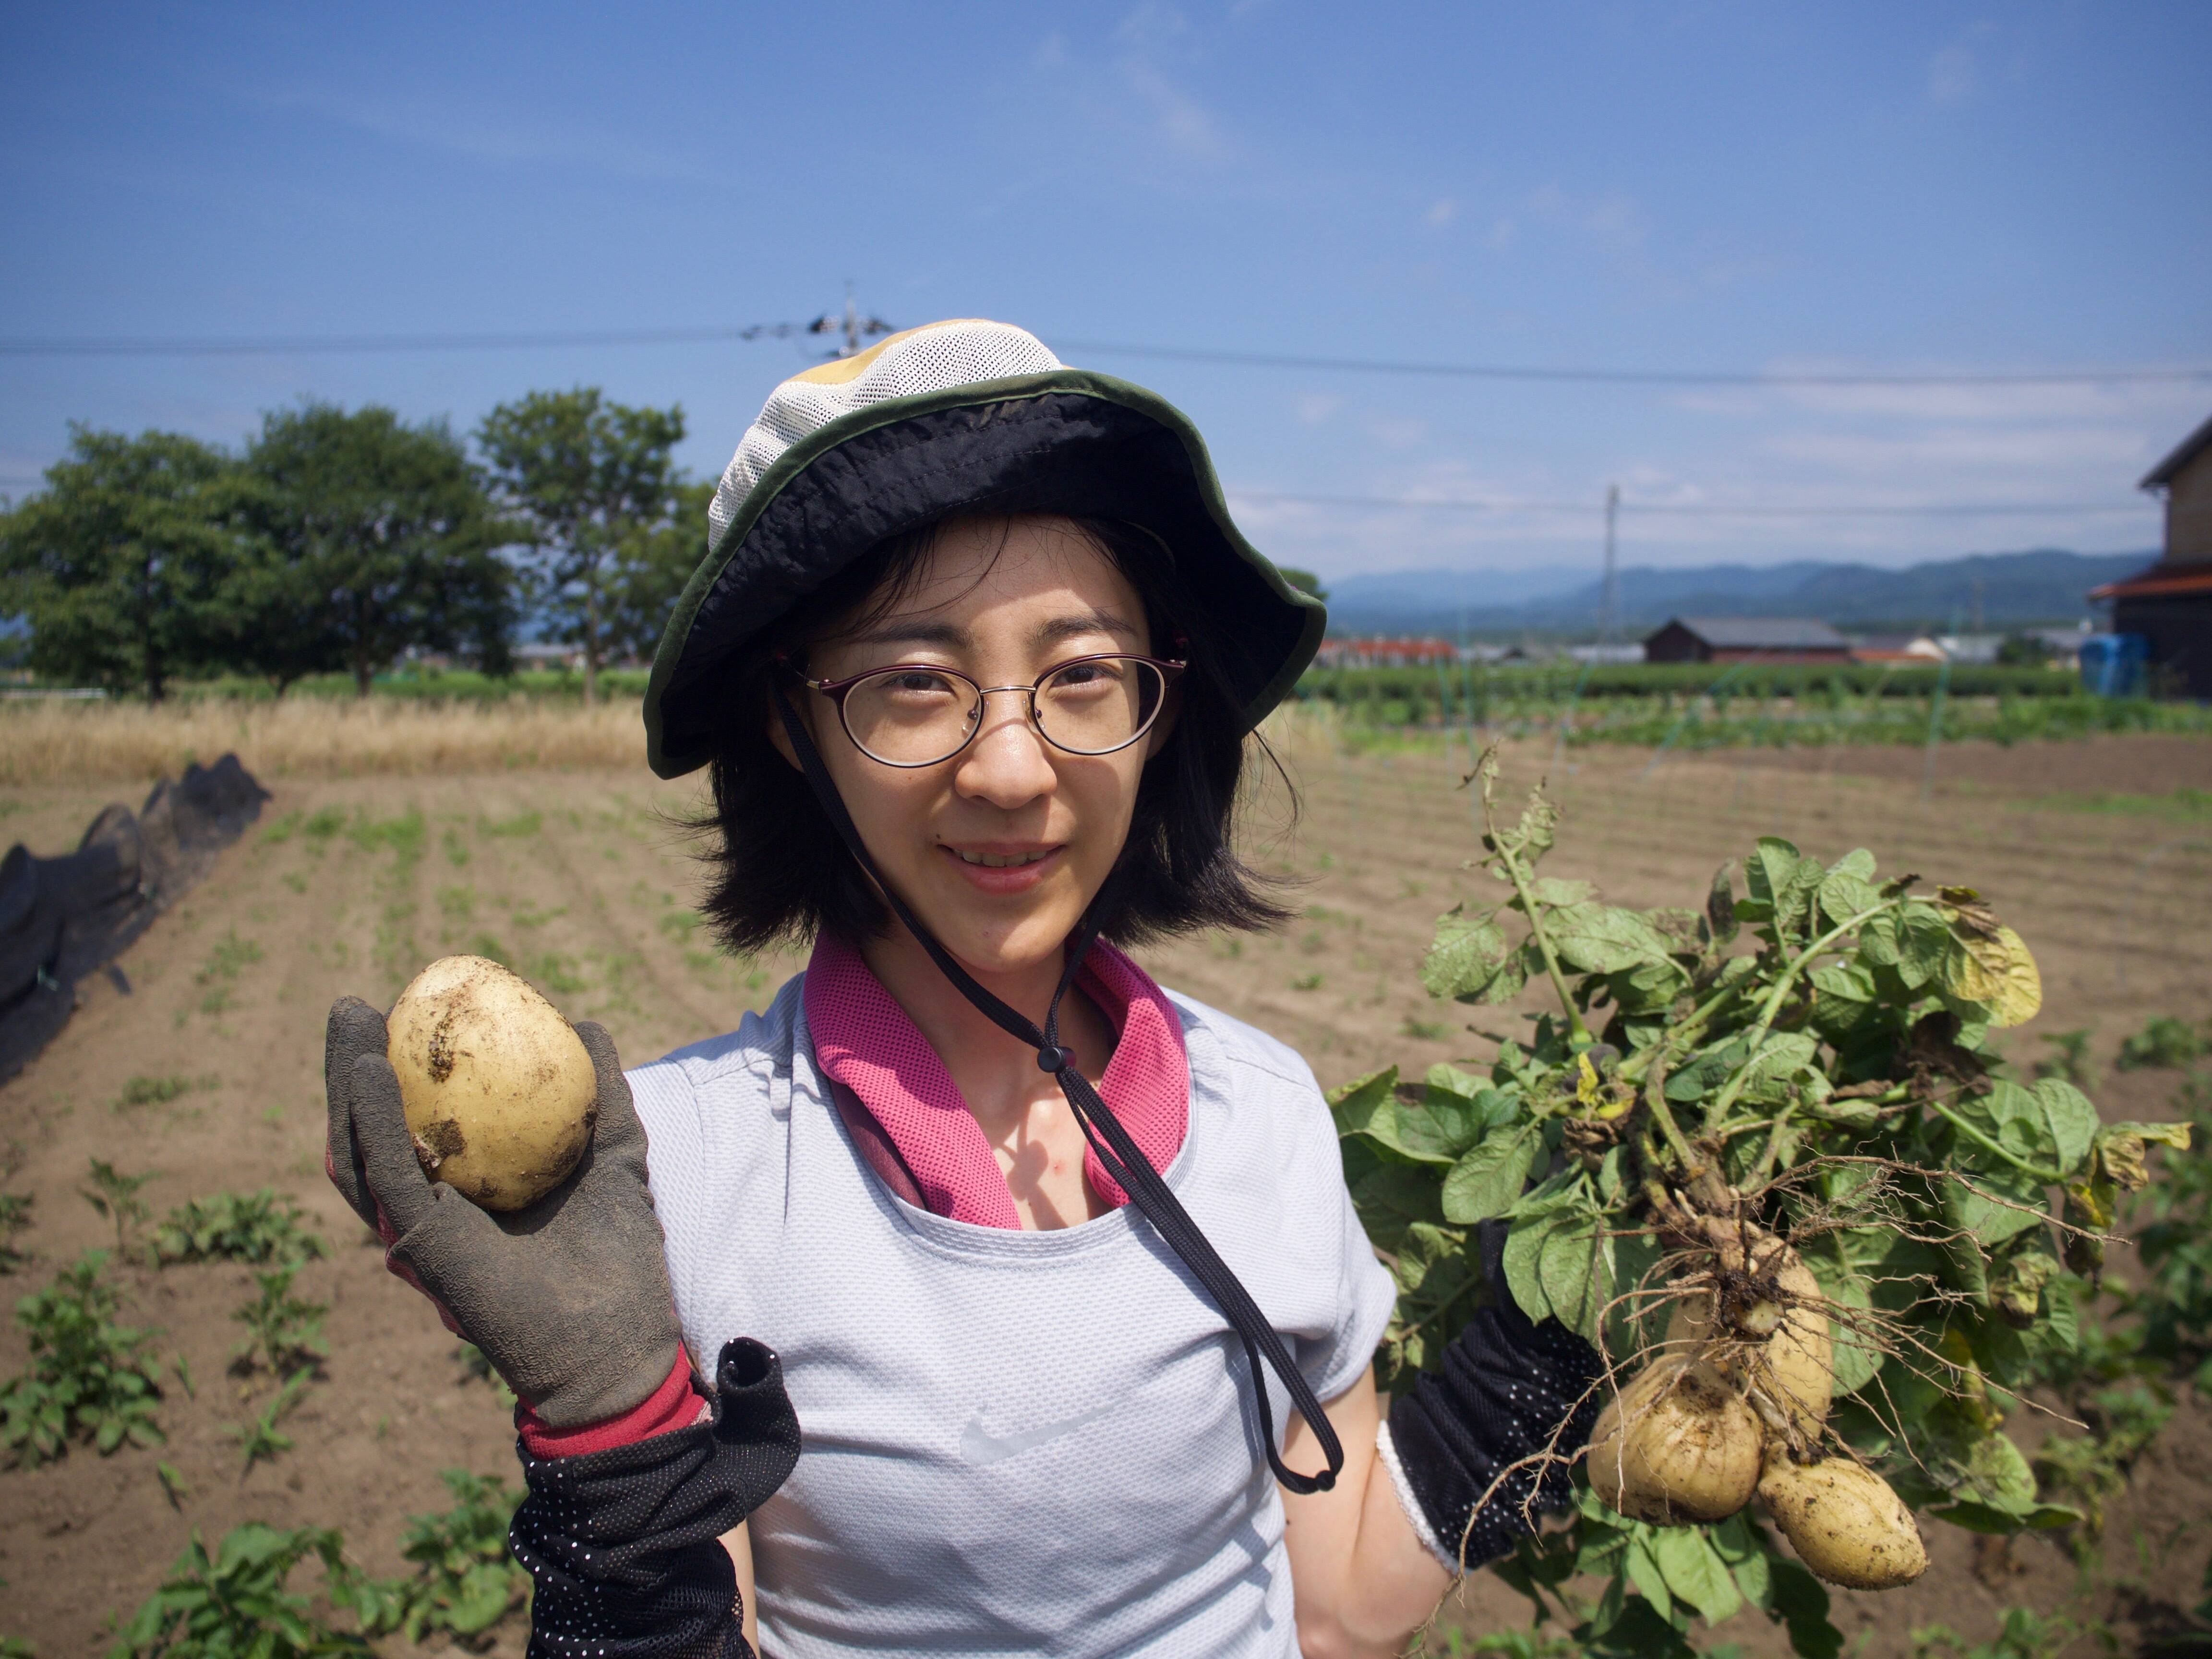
{"type": "Point", "coordinates": [569, 1298]}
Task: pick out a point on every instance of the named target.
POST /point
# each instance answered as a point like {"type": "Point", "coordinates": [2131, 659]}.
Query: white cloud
{"type": "Point", "coordinates": [1443, 213]}
{"type": "Point", "coordinates": [489, 137]}
{"type": "Point", "coordinates": [1315, 407]}
{"type": "Point", "coordinates": [1179, 119]}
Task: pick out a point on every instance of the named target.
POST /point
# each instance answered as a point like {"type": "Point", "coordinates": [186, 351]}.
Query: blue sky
{"type": "Point", "coordinates": [1928, 186]}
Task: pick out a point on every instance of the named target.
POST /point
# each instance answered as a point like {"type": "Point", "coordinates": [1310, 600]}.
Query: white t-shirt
{"type": "Point", "coordinates": [1013, 1441]}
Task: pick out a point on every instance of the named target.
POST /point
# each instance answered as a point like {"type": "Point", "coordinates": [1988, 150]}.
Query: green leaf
{"type": "Point", "coordinates": [1558, 1263]}
{"type": "Point", "coordinates": [1802, 1602]}
{"type": "Point", "coordinates": [1645, 1572]}
{"type": "Point", "coordinates": [1550, 889]}
{"type": "Point", "coordinates": [1856, 1360]}
{"type": "Point", "coordinates": [1598, 938]}
{"type": "Point", "coordinates": [1440, 1125]}
{"type": "Point", "coordinates": [1977, 1206]}
{"type": "Point", "coordinates": [1768, 872]}
{"type": "Point", "coordinates": [1353, 1104]}
{"type": "Point", "coordinates": [1512, 977]}
{"type": "Point", "coordinates": [1695, 1573]}
{"type": "Point", "coordinates": [1465, 955]}
{"type": "Point", "coordinates": [1485, 1181]}
{"type": "Point", "coordinates": [1844, 894]}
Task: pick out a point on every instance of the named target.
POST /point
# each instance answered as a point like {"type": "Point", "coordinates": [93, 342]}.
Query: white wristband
{"type": "Point", "coordinates": [1410, 1503]}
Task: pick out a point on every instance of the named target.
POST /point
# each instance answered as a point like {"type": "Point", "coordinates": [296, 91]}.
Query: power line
{"type": "Point", "coordinates": [1703, 510]}
{"type": "Point", "coordinates": [1636, 376]}
{"type": "Point", "coordinates": [344, 344]}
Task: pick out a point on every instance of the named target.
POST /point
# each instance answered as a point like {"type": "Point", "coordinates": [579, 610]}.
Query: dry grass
{"type": "Point", "coordinates": [82, 743]}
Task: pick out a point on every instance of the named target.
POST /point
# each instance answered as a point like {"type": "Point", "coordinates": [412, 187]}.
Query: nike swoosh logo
{"type": "Point", "coordinates": [978, 1447]}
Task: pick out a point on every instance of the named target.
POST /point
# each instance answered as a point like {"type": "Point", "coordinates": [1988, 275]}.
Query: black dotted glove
{"type": "Point", "coordinates": [1508, 1387]}
{"type": "Point", "coordinates": [568, 1297]}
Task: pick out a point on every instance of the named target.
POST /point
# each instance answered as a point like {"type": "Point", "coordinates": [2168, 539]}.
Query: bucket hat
{"type": "Point", "coordinates": [959, 416]}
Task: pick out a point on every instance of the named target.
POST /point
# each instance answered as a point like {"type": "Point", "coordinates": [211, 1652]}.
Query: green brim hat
{"type": "Point", "coordinates": [954, 418]}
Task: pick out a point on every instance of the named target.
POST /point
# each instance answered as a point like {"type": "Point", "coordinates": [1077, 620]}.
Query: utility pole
{"type": "Point", "coordinates": [1609, 603]}
{"type": "Point", "coordinates": [854, 327]}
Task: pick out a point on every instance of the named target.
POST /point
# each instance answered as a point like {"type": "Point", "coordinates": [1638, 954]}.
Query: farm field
{"type": "Point", "coordinates": [2098, 851]}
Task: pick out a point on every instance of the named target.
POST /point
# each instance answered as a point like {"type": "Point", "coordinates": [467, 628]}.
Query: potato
{"type": "Point", "coordinates": [499, 1092]}
{"type": "Point", "coordinates": [1845, 1523]}
{"type": "Point", "coordinates": [1676, 1446]}
{"type": "Point", "coordinates": [1794, 1364]}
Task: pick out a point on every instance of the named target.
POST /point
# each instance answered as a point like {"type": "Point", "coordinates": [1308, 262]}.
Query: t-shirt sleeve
{"type": "Point", "coordinates": [1334, 1364]}
{"type": "Point", "coordinates": [1366, 1292]}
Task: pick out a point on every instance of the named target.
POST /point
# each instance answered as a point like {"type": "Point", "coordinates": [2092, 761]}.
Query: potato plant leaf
{"type": "Point", "coordinates": [1486, 1181]}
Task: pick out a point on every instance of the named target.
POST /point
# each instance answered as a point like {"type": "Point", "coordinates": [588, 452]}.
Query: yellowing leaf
{"type": "Point", "coordinates": [1998, 973]}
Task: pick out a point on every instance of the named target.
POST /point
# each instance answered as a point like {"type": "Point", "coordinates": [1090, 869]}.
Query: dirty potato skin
{"type": "Point", "coordinates": [1676, 1446]}
{"type": "Point", "coordinates": [498, 1088]}
{"type": "Point", "coordinates": [1845, 1523]}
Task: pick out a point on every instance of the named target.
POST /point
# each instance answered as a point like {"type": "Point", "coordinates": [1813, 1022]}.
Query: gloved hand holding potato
{"type": "Point", "coordinates": [563, 1283]}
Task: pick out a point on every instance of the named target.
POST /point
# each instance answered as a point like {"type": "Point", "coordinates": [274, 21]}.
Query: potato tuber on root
{"type": "Point", "coordinates": [498, 1088]}
{"type": "Point", "coordinates": [1777, 1342]}
{"type": "Point", "coordinates": [1676, 1446]}
{"type": "Point", "coordinates": [1844, 1522]}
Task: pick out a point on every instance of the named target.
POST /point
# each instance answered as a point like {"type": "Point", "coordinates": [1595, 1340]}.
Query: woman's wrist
{"type": "Point", "coordinates": [676, 1404]}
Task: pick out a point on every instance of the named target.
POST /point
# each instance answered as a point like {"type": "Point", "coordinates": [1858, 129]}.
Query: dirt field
{"type": "Point", "coordinates": [582, 878]}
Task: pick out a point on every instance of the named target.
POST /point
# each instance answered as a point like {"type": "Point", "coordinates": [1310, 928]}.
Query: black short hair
{"type": "Point", "coordinates": [781, 874]}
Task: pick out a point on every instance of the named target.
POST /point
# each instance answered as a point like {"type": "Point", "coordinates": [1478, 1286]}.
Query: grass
{"type": "Point", "coordinates": [309, 738]}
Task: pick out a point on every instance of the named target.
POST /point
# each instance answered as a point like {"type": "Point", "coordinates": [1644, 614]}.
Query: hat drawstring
{"type": "Point", "coordinates": [1116, 1152]}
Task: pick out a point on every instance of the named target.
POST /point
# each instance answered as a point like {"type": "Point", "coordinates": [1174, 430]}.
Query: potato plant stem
{"type": "Point", "coordinates": [1784, 981]}
{"type": "Point", "coordinates": [2047, 1177]}
{"type": "Point", "coordinates": [1578, 1032]}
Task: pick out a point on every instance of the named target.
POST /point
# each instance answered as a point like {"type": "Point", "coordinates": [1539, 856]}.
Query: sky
{"type": "Point", "coordinates": [1879, 188]}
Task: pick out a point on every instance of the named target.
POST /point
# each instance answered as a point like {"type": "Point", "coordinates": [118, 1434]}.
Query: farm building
{"type": "Point", "coordinates": [1384, 654]}
{"type": "Point", "coordinates": [1747, 639]}
{"type": "Point", "coordinates": [2170, 603]}
{"type": "Point", "coordinates": [1906, 648]}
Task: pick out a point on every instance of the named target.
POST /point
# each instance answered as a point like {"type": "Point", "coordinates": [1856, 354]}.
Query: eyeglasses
{"type": "Point", "coordinates": [912, 715]}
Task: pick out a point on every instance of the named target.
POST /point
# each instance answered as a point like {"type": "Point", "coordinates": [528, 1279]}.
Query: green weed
{"type": "Point", "coordinates": [1306, 982]}
{"type": "Point", "coordinates": [284, 1332]}
{"type": "Point", "coordinates": [283, 829]}
{"type": "Point", "coordinates": [475, 1368]}
{"type": "Point", "coordinates": [556, 973]}
{"type": "Point", "coordinates": [491, 950]}
{"type": "Point", "coordinates": [2069, 1063]}
{"type": "Point", "coordinates": [2164, 1042]}
{"type": "Point", "coordinates": [326, 823]}
{"type": "Point", "coordinates": [1425, 1030]}
{"type": "Point", "coordinates": [520, 827]}
{"type": "Point", "coordinates": [173, 1485]}
{"type": "Point", "coordinates": [260, 1439]}
{"type": "Point", "coordinates": [403, 835]}
{"type": "Point", "coordinates": [89, 1377]}
{"type": "Point", "coordinates": [465, 1581]}
{"type": "Point", "coordinates": [457, 850]}
{"type": "Point", "coordinates": [14, 1217]}
{"type": "Point", "coordinates": [236, 1604]}
{"type": "Point", "coordinates": [159, 1091]}
{"type": "Point", "coordinates": [115, 1195]}
{"type": "Point", "coordinates": [258, 1226]}
{"type": "Point", "coordinates": [219, 974]}
{"type": "Point", "coordinates": [2025, 1635]}
{"type": "Point", "coordinates": [458, 904]}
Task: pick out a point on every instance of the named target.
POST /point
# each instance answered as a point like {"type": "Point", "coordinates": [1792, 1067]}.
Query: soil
{"type": "Point", "coordinates": [583, 880]}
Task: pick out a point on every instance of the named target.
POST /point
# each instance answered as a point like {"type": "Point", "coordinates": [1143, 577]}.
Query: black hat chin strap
{"type": "Point", "coordinates": [1117, 1152]}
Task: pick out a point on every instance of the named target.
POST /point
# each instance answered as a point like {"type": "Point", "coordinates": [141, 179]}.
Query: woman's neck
{"type": "Point", "coordinates": [997, 1073]}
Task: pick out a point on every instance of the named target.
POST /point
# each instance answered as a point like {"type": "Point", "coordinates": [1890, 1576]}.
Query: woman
{"type": "Point", "coordinates": [1082, 1367]}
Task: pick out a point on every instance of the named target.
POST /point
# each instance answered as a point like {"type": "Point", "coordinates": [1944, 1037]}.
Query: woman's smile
{"type": "Point", "coordinates": [999, 867]}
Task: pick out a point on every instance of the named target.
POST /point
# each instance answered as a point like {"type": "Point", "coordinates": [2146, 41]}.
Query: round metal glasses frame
{"type": "Point", "coordinates": [835, 691]}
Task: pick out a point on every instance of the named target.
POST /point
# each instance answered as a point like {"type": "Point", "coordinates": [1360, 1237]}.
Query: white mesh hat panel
{"type": "Point", "coordinates": [933, 358]}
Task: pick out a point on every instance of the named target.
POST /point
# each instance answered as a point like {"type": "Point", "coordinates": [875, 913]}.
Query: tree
{"type": "Point", "coordinates": [375, 536]}
{"type": "Point", "coordinates": [589, 475]}
{"type": "Point", "coordinates": [649, 570]}
{"type": "Point", "coordinates": [1304, 580]}
{"type": "Point", "coordinates": [121, 561]}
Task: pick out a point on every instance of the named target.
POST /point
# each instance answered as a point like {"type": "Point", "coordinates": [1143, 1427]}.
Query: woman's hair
{"type": "Point", "coordinates": [781, 874]}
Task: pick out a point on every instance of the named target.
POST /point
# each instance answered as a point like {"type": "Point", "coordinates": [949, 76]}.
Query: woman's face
{"type": "Point", "coordinates": [998, 849]}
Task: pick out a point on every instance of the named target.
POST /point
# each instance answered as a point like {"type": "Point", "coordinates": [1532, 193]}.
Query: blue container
{"type": "Point", "coordinates": [2112, 665]}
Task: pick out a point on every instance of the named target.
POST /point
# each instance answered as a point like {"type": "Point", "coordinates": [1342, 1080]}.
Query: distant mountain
{"type": "Point", "coordinates": [1991, 590]}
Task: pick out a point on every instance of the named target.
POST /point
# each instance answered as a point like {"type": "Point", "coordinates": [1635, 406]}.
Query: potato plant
{"type": "Point", "coordinates": [1764, 1160]}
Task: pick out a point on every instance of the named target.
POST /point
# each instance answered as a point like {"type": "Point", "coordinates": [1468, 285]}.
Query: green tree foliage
{"type": "Point", "coordinates": [592, 478]}
{"type": "Point", "coordinates": [121, 562]}
{"type": "Point", "coordinates": [376, 536]}
{"type": "Point", "coordinates": [650, 567]}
